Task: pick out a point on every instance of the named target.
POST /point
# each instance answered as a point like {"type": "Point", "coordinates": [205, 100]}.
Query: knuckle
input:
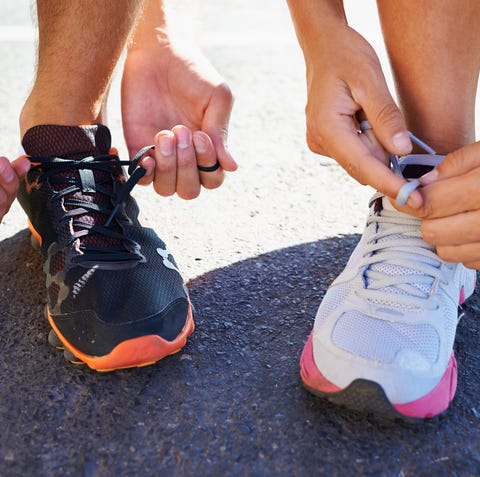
{"type": "Point", "coordinates": [425, 211]}
{"type": "Point", "coordinates": [457, 160]}
{"type": "Point", "coordinates": [225, 93]}
{"type": "Point", "coordinates": [315, 143]}
{"type": "Point", "coordinates": [165, 167]}
{"type": "Point", "coordinates": [388, 114]}
{"type": "Point", "coordinates": [185, 161]}
{"type": "Point", "coordinates": [223, 131]}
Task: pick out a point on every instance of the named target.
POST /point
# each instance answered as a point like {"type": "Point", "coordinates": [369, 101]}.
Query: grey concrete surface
{"type": "Point", "coordinates": [259, 254]}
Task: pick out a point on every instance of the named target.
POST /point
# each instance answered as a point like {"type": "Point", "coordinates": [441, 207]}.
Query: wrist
{"type": "Point", "coordinates": [151, 29]}
{"type": "Point", "coordinates": [316, 21]}
{"type": "Point", "coordinates": [160, 28]}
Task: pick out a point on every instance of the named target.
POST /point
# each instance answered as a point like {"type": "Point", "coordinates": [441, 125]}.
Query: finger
{"type": "Point", "coordinates": [188, 180]}
{"type": "Point", "coordinates": [9, 181]}
{"type": "Point", "coordinates": [456, 163]}
{"type": "Point", "coordinates": [383, 114]}
{"type": "Point", "coordinates": [148, 163]}
{"type": "Point", "coordinates": [207, 157]}
{"type": "Point", "coordinates": [21, 165]}
{"type": "Point", "coordinates": [215, 124]}
{"type": "Point", "coordinates": [355, 156]}
{"type": "Point", "coordinates": [474, 265]}
{"type": "Point", "coordinates": [452, 231]}
{"type": "Point", "coordinates": [370, 140]}
{"type": "Point", "coordinates": [451, 196]}
{"type": "Point", "coordinates": [467, 253]}
{"type": "Point", "coordinates": [5, 203]}
{"type": "Point", "coordinates": [165, 176]}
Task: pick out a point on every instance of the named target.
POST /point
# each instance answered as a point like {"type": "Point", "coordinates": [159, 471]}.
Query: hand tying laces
{"type": "Point", "coordinates": [410, 186]}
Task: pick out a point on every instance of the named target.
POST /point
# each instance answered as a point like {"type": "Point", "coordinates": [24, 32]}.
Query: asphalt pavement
{"type": "Point", "coordinates": [259, 254]}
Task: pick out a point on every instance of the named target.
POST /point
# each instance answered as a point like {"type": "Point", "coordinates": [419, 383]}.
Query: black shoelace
{"type": "Point", "coordinates": [59, 172]}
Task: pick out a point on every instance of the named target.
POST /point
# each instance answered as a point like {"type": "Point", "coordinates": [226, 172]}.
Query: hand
{"type": "Point", "coordinates": [10, 176]}
{"type": "Point", "coordinates": [451, 207]}
{"type": "Point", "coordinates": [345, 85]}
{"type": "Point", "coordinates": [182, 106]}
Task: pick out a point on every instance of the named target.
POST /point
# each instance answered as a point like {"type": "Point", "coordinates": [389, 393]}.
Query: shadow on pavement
{"type": "Point", "coordinates": [230, 403]}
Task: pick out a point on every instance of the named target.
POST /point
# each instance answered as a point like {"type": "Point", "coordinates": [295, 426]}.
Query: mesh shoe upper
{"type": "Point", "coordinates": [108, 278]}
{"type": "Point", "coordinates": [391, 315]}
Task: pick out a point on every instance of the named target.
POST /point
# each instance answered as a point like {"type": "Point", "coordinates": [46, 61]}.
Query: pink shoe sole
{"type": "Point", "coordinates": [374, 400]}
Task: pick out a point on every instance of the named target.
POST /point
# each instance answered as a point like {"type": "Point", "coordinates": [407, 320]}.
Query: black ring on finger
{"type": "Point", "coordinates": [209, 168]}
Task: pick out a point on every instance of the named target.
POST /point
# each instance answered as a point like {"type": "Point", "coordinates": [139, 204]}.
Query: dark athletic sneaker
{"type": "Point", "coordinates": [115, 298]}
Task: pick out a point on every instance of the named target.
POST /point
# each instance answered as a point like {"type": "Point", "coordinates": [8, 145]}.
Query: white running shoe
{"type": "Point", "coordinates": [383, 335]}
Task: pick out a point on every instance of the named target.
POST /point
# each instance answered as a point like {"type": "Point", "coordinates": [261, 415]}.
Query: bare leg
{"type": "Point", "coordinates": [434, 49]}
{"type": "Point", "coordinates": [80, 42]}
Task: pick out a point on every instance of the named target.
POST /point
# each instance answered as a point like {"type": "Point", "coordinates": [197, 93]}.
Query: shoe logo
{"type": "Point", "coordinates": [164, 253]}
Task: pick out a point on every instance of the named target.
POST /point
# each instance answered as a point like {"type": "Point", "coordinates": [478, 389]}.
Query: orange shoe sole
{"type": "Point", "coordinates": [135, 352]}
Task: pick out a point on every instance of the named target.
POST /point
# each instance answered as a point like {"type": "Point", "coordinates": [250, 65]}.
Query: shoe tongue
{"type": "Point", "coordinates": [77, 142]}
{"type": "Point", "coordinates": [68, 142]}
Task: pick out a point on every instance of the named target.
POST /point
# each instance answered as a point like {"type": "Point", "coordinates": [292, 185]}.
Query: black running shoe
{"type": "Point", "coordinates": [115, 298]}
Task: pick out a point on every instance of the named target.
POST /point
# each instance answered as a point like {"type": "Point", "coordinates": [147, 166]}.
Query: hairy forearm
{"type": "Point", "coordinates": [314, 20]}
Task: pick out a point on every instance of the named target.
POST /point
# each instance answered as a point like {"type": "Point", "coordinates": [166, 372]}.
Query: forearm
{"type": "Point", "coordinates": [151, 26]}
{"type": "Point", "coordinates": [167, 22]}
{"type": "Point", "coordinates": [314, 20]}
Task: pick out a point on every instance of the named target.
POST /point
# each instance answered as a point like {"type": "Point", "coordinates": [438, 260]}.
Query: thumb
{"type": "Point", "coordinates": [385, 118]}
{"type": "Point", "coordinates": [215, 124]}
{"type": "Point", "coordinates": [456, 163]}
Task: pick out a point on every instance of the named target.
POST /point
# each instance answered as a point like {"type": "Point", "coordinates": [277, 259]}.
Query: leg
{"type": "Point", "coordinates": [434, 50]}
{"type": "Point", "coordinates": [73, 72]}
{"type": "Point", "coordinates": [115, 297]}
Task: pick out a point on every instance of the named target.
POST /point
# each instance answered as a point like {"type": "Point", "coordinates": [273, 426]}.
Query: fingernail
{"type": "Point", "coordinates": [200, 143]}
{"type": "Point", "coordinates": [401, 143]}
{"type": "Point", "coordinates": [429, 177]}
{"type": "Point", "coordinates": [183, 138]}
{"type": "Point", "coordinates": [7, 173]}
{"type": "Point", "coordinates": [166, 145]}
